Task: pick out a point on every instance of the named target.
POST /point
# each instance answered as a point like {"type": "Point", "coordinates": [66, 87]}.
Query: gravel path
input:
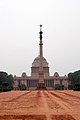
{"type": "Point", "coordinates": [40, 105]}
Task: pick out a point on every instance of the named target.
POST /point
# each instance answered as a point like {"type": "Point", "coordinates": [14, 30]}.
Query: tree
{"type": "Point", "coordinates": [3, 79]}
{"type": "Point", "coordinates": [74, 80]}
{"type": "Point", "coordinates": [10, 81]}
{"type": "Point", "coordinates": [6, 81]}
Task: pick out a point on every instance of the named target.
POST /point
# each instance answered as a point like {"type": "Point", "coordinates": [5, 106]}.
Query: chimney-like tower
{"type": "Point", "coordinates": [41, 84]}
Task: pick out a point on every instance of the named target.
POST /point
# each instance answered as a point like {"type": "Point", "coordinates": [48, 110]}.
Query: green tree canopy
{"type": "Point", "coordinates": [74, 80]}
{"type": "Point", "coordinates": [6, 81]}
{"type": "Point", "coordinates": [74, 77]}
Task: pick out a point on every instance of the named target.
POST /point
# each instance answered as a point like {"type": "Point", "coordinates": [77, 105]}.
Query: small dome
{"type": "Point", "coordinates": [24, 74]}
{"type": "Point", "coordinates": [36, 62]}
{"type": "Point", "coordinates": [56, 74]}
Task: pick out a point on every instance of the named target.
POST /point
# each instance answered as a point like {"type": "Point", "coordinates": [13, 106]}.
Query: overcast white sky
{"type": "Point", "coordinates": [19, 38]}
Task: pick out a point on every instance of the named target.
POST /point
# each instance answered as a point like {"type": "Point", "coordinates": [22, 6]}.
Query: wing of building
{"type": "Point", "coordinates": [40, 77]}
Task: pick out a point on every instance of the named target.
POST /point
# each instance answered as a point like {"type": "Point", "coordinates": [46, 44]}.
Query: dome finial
{"type": "Point", "coordinates": [40, 32]}
{"type": "Point", "coordinates": [40, 43]}
{"type": "Point", "coordinates": [40, 27]}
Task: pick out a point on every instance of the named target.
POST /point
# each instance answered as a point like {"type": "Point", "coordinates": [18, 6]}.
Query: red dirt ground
{"type": "Point", "coordinates": [40, 105]}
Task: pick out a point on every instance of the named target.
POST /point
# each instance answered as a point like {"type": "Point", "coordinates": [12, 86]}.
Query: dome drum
{"type": "Point", "coordinates": [35, 70]}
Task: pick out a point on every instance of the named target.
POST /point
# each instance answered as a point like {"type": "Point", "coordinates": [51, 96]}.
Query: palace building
{"type": "Point", "coordinates": [40, 77]}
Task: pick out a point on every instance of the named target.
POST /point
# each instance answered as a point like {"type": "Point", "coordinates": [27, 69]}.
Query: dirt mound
{"type": "Point", "coordinates": [62, 117]}
{"type": "Point", "coordinates": [23, 117]}
{"type": "Point", "coordinates": [36, 117]}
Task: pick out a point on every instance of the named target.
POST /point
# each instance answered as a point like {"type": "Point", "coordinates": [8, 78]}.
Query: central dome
{"type": "Point", "coordinates": [36, 62]}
